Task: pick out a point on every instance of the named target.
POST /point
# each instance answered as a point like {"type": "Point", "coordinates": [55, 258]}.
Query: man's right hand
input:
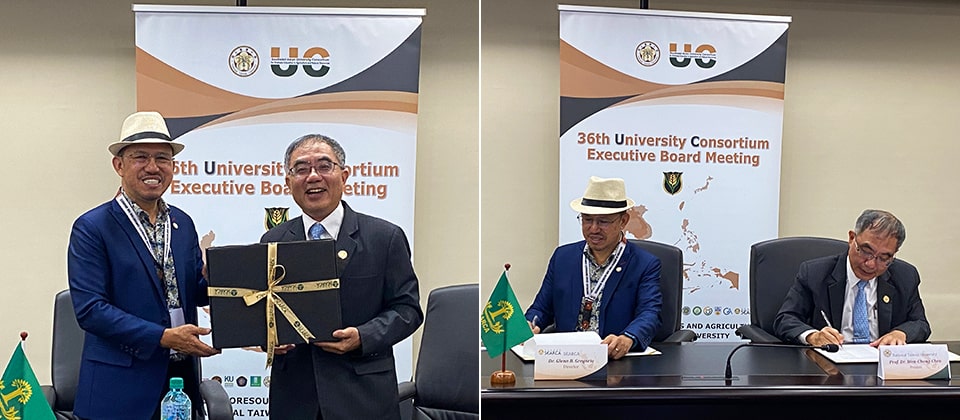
{"type": "Point", "coordinates": [186, 339]}
{"type": "Point", "coordinates": [825, 336]}
{"type": "Point", "coordinates": [536, 329]}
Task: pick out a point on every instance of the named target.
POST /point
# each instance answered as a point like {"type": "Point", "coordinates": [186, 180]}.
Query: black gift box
{"type": "Point", "coordinates": [235, 324]}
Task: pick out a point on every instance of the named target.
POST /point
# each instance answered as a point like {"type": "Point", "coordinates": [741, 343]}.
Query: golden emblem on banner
{"type": "Point", "coordinates": [275, 216]}
{"type": "Point", "coordinates": [244, 61]}
{"type": "Point", "coordinates": [672, 182]}
{"type": "Point", "coordinates": [648, 53]}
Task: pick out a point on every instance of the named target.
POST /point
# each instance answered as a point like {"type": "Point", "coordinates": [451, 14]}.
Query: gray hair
{"type": "Point", "coordinates": [311, 139]}
{"type": "Point", "coordinates": [882, 223]}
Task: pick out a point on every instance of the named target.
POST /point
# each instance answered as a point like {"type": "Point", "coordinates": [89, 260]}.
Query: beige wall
{"type": "Point", "coordinates": [869, 122]}
{"type": "Point", "coordinates": [67, 82]}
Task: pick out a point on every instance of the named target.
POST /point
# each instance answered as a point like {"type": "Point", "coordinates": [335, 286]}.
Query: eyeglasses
{"type": "Point", "coordinates": [323, 167]}
{"type": "Point", "coordinates": [882, 260]}
{"type": "Point", "coordinates": [587, 220]}
{"type": "Point", "coordinates": [143, 159]}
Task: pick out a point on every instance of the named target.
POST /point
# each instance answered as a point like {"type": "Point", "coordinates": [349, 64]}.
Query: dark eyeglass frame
{"type": "Point", "coordinates": [867, 255]}
{"type": "Point", "coordinates": [601, 223]}
{"type": "Point", "coordinates": [322, 167]}
{"type": "Point", "coordinates": [143, 159]}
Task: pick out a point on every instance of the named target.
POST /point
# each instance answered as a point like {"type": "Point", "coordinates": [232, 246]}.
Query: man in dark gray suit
{"type": "Point", "coordinates": [354, 377]}
{"type": "Point", "coordinates": [871, 296]}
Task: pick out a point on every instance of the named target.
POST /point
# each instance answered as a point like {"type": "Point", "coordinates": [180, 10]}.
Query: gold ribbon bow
{"type": "Point", "coordinates": [252, 296]}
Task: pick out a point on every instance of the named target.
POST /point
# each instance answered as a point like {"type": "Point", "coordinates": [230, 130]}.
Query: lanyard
{"type": "Point", "coordinates": [159, 260]}
{"type": "Point", "coordinates": [593, 293]}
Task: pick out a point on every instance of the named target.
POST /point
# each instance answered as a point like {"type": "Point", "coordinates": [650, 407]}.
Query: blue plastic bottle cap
{"type": "Point", "coordinates": [176, 383]}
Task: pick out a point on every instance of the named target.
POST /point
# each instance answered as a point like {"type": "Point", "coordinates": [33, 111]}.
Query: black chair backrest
{"type": "Point", "coordinates": [67, 349]}
{"type": "Point", "coordinates": [447, 364]}
{"type": "Point", "coordinates": [773, 268]}
{"type": "Point", "coordinates": [671, 285]}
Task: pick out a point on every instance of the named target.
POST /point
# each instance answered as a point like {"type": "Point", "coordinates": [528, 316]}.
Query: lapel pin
{"type": "Point", "coordinates": [886, 299]}
{"type": "Point", "coordinates": [175, 225]}
{"type": "Point", "coordinates": [342, 254]}
{"type": "Point", "coordinates": [619, 268]}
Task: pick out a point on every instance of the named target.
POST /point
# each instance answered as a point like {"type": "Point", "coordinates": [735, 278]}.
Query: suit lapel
{"type": "Point", "coordinates": [886, 296]}
{"type": "Point", "coordinates": [347, 238]}
{"type": "Point", "coordinates": [146, 257]}
{"type": "Point", "coordinates": [294, 231]}
{"type": "Point", "coordinates": [614, 280]}
{"type": "Point", "coordinates": [837, 291]}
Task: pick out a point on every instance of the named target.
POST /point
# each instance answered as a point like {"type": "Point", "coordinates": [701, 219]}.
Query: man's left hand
{"type": "Point", "coordinates": [617, 345]}
{"type": "Point", "coordinates": [892, 338]}
{"type": "Point", "coordinates": [349, 341]}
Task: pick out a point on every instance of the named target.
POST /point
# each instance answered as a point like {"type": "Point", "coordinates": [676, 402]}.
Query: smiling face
{"type": "Point", "coordinates": [602, 232]}
{"type": "Point", "coordinates": [317, 194]}
{"type": "Point", "coordinates": [146, 171]}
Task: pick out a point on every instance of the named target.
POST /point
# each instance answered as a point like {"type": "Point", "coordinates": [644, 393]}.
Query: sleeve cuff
{"type": "Point", "coordinates": [803, 336]}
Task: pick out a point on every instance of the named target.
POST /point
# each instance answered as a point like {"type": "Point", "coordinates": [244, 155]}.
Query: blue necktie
{"type": "Point", "coordinates": [861, 326]}
{"type": "Point", "coordinates": [317, 231]}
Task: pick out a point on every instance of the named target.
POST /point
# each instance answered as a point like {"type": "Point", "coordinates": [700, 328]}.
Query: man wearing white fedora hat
{"type": "Point", "coordinates": [135, 274]}
{"type": "Point", "coordinates": [602, 283]}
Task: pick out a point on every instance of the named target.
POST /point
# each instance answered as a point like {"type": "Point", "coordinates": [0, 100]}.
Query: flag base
{"type": "Point", "coordinates": [503, 377]}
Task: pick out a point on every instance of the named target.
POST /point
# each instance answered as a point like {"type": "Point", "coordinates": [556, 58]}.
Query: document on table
{"type": "Point", "coordinates": [650, 351]}
{"type": "Point", "coordinates": [518, 350]}
{"type": "Point", "coordinates": [862, 353]}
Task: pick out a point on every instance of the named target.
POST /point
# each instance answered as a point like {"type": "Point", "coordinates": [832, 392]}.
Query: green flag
{"type": "Point", "coordinates": [501, 322]}
{"type": "Point", "coordinates": [20, 393]}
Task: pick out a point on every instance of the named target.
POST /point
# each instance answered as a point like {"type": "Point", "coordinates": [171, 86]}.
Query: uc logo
{"type": "Point", "coordinates": [315, 61]}
{"type": "Point", "coordinates": [705, 55]}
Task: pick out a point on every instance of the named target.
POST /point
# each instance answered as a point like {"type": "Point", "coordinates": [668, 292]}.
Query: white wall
{"type": "Point", "coordinates": [67, 82]}
{"type": "Point", "coordinates": [869, 122]}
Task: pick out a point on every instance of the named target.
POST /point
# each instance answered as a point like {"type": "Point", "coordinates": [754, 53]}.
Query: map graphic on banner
{"type": "Point", "coordinates": [238, 84]}
{"type": "Point", "coordinates": [687, 108]}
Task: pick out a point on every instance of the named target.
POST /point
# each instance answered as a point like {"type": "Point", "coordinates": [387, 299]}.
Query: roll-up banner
{"type": "Point", "coordinates": [238, 84]}
{"type": "Point", "coordinates": [687, 108]}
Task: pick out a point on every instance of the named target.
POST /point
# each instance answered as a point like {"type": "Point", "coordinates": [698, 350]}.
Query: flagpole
{"type": "Point", "coordinates": [503, 356]}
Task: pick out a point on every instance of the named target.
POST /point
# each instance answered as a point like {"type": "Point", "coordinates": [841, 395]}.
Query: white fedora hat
{"type": "Point", "coordinates": [603, 196]}
{"type": "Point", "coordinates": [144, 127]}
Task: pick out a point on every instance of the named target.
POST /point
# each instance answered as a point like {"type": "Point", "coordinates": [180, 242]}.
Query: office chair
{"type": "Point", "coordinates": [445, 385]}
{"type": "Point", "coordinates": [671, 287]}
{"type": "Point", "coordinates": [773, 269]}
{"type": "Point", "coordinates": [65, 367]}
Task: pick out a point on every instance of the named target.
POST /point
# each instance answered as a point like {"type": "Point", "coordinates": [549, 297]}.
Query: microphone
{"type": "Point", "coordinates": [830, 348]}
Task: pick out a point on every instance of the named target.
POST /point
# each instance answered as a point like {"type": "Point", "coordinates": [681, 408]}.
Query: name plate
{"type": "Point", "coordinates": [914, 361]}
{"type": "Point", "coordinates": [570, 362]}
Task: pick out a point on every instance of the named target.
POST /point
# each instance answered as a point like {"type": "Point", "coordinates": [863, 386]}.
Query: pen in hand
{"type": "Point", "coordinates": [828, 323]}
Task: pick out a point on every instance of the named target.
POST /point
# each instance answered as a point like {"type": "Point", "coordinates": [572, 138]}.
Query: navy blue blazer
{"type": "Point", "coordinates": [121, 305]}
{"type": "Point", "coordinates": [821, 286]}
{"type": "Point", "coordinates": [630, 302]}
{"type": "Point", "coordinates": [379, 295]}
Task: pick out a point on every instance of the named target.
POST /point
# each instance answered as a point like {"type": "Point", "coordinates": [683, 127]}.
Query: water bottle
{"type": "Point", "coordinates": [176, 404]}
